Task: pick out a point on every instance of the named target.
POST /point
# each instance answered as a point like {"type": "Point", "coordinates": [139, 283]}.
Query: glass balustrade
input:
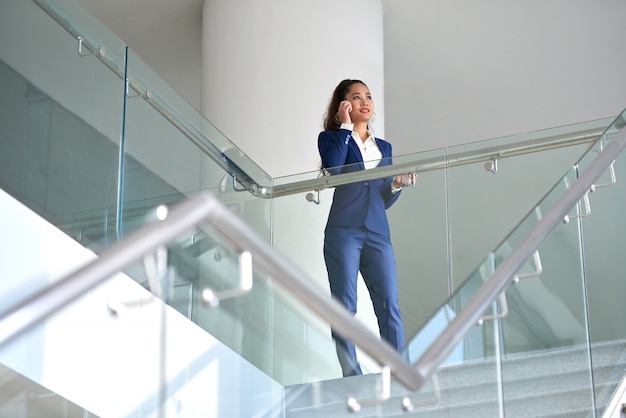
{"type": "Point", "coordinates": [603, 271]}
{"type": "Point", "coordinates": [60, 126]}
{"type": "Point", "coordinates": [81, 145]}
{"type": "Point", "coordinates": [266, 326]}
{"type": "Point", "coordinates": [98, 157]}
{"type": "Point", "coordinates": [92, 154]}
{"type": "Point", "coordinates": [261, 340]}
{"type": "Point", "coordinates": [21, 398]}
{"type": "Point", "coordinates": [469, 381]}
{"type": "Point", "coordinates": [547, 320]}
{"type": "Point", "coordinates": [488, 198]}
{"type": "Point", "coordinates": [451, 206]}
{"type": "Point", "coordinates": [561, 332]}
{"type": "Point", "coordinates": [143, 358]}
{"type": "Point", "coordinates": [61, 122]}
{"type": "Point", "coordinates": [458, 211]}
{"type": "Point", "coordinates": [171, 150]}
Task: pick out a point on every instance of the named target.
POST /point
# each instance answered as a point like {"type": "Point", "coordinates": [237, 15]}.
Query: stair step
{"type": "Point", "coordinates": [548, 384]}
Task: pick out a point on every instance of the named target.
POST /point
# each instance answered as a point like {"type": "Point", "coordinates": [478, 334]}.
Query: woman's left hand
{"type": "Point", "coordinates": [405, 180]}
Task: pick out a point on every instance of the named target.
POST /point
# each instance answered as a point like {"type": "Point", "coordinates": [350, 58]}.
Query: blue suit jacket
{"type": "Point", "coordinates": [357, 204]}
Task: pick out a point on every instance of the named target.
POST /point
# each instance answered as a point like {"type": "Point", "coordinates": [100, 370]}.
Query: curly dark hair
{"type": "Point", "coordinates": [330, 122]}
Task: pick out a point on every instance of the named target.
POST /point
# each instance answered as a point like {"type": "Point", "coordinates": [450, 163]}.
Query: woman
{"type": "Point", "coordinates": [357, 234]}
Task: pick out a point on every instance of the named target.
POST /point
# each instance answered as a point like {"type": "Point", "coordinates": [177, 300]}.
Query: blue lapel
{"type": "Point", "coordinates": [356, 151]}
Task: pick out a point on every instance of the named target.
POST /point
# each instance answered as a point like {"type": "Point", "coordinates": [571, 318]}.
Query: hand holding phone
{"type": "Point", "coordinates": [343, 112]}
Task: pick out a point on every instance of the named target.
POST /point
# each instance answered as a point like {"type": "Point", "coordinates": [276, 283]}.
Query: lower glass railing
{"type": "Point", "coordinates": [441, 229]}
{"type": "Point", "coordinates": [65, 164]}
{"type": "Point", "coordinates": [603, 273]}
{"type": "Point", "coordinates": [253, 326]}
{"type": "Point", "coordinates": [554, 343]}
{"type": "Point", "coordinates": [21, 398]}
{"type": "Point", "coordinates": [101, 337]}
{"type": "Point", "coordinates": [531, 354]}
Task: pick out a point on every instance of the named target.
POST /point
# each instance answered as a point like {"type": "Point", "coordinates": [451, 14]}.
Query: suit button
{"type": "Point", "coordinates": [365, 183]}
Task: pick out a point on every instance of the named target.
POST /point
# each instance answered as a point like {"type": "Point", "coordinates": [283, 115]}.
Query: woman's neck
{"type": "Point", "coordinates": [361, 129]}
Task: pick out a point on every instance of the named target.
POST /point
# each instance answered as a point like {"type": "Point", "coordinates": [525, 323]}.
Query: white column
{"type": "Point", "coordinates": [269, 68]}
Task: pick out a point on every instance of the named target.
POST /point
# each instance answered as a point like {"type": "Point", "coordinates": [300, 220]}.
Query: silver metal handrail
{"type": "Point", "coordinates": [119, 69]}
{"type": "Point", "coordinates": [438, 163]}
{"type": "Point", "coordinates": [206, 208]}
{"type": "Point", "coordinates": [263, 189]}
{"type": "Point", "coordinates": [181, 221]}
{"type": "Point", "coordinates": [466, 319]}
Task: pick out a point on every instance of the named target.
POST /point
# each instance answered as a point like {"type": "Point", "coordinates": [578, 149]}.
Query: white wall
{"type": "Point", "coordinates": [455, 72]}
{"type": "Point", "coordinates": [270, 69]}
{"type": "Point", "coordinates": [458, 72]}
{"type": "Point", "coordinates": [165, 34]}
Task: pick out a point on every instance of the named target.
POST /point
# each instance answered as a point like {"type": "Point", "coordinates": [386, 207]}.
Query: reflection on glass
{"type": "Point", "coordinates": [24, 398]}
{"type": "Point", "coordinates": [484, 206]}
{"type": "Point", "coordinates": [473, 362]}
{"type": "Point", "coordinates": [547, 317]}
{"type": "Point", "coordinates": [60, 125]}
{"type": "Point", "coordinates": [121, 342]}
{"type": "Point", "coordinates": [60, 154]}
{"type": "Point", "coordinates": [57, 163]}
{"type": "Point", "coordinates": [604, 266]}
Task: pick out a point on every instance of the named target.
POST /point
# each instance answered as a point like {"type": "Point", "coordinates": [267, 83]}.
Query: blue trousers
{"type": "Point", "coordinates": [348, 250]}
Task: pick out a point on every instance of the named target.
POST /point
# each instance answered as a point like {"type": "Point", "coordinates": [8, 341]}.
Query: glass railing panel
{"type": "Point", "coordinates": [483, 343]}
{"type": "Point", "coordinates": [545, 356]}
{"type": "Point", "coordinates": [126, 343]}
{"type": "Point", "coordinates": [243, 323]}
{"type": "Point", "coordinates": [163, 166]}
{"type": "Point", "coordinates": [275, 333]}
{"type": "Point", "coordinates": [604, 267]}
{"type": "Point", "coordinates": [298, 227]}
{"type": "Point", "coordinates": [195, 125]}
{"type": "Point", "coordinates": [558, 285]}
{"type": "Point", "coordinates": [169, 154]}
{"type": "Point", "coordinates": [298, 234]}
{"type": "Point", "coordinates": [86, 90]}
{"type": "Point", "coordinates": [611, 131]}
{"type": "Point", "coordinates": [300, 221]}
{"type": "Point", "coordinates": [448, 219]}
{"type": "Point", "coordinates": [23, 398]}
{"type": "Point", "coordinates": [271, 328]}
{"type": "Point", "coordinates": [469, 377]}
{"type": "Point", "coordinates": [192, 125]}
{"type": "Point", "coordinates": [60, 127]}
{"type": "Point", "coordinates": [484, 205]}
{"type": "Point", "coordinates": [61, 119]}
{"type": "Point", "coordinates": [419, 236]}
{"type": "Point", "coordinates": [417, 221]}
{"type": "Point", "coordinates": [267, 325]}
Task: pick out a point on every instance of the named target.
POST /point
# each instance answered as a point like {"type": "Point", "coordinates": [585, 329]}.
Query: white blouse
{"type": "Point", "coordinates": [369, 151]}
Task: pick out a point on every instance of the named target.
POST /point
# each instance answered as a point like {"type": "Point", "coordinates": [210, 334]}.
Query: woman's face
{"type": "Point", "coordinates": [362, 104]}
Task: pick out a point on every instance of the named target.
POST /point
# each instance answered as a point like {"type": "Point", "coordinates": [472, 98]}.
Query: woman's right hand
{"type": "Point", "coordinates": [343, 113]}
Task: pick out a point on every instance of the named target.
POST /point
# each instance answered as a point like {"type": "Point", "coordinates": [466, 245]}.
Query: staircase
{"type": "Point", "coordinates": [20, 396]}
{"type": "Point", "coordinates": [549, 384]}
{"type": "Point", "coordinates": [80, 180]}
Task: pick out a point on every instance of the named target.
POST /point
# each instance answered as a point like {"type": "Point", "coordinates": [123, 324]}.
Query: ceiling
{"type": "Point", "coordinates": [137, 16]}
{"type": "Point", "coordinates": [134, 20]}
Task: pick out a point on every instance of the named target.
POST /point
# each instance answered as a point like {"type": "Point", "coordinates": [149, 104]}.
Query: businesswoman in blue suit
{"type": "Point", "coordinates": [357, 236]}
